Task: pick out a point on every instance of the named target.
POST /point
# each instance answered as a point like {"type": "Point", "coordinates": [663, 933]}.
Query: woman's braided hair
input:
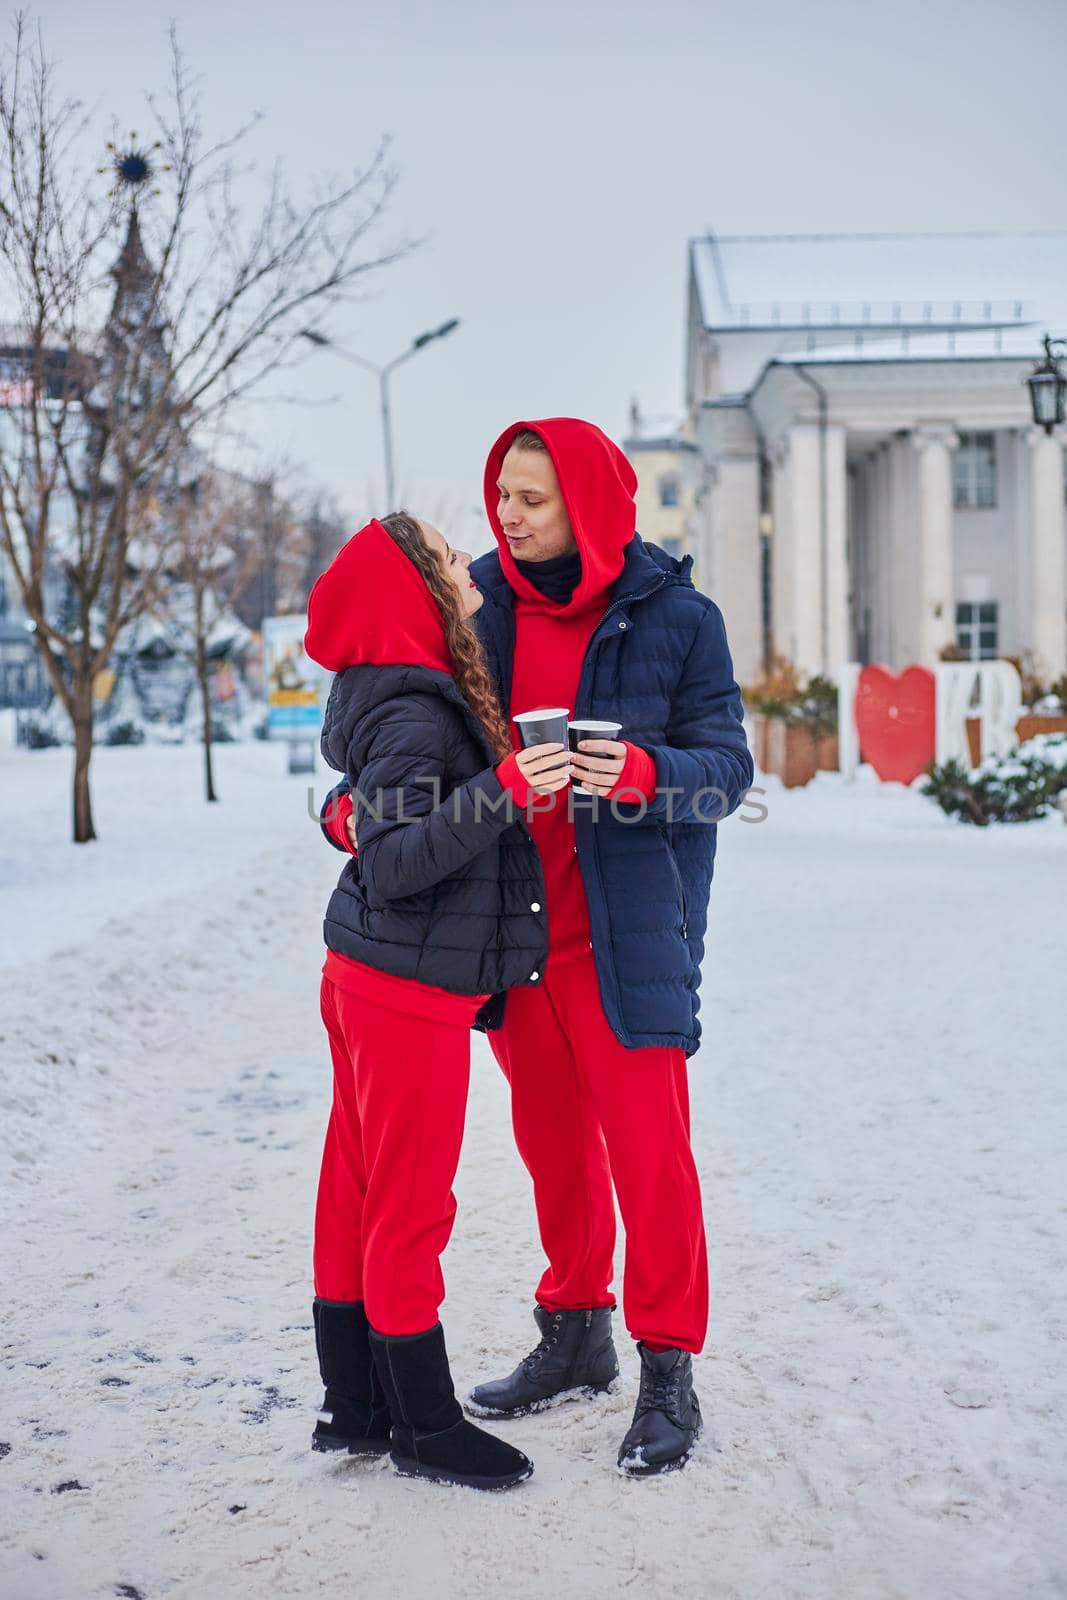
{"type": "Point", "coordinates": [468, 658]}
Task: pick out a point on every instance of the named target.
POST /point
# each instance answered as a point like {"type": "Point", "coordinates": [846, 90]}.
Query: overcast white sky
{"type": "Point", "coordinates": [558, 156]}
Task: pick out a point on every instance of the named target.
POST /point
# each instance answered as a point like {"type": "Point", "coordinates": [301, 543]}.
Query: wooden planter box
{"type": "Point", "coordinates": [1027, 727]}
{"type": "Point", "coordinates": [788, 751]}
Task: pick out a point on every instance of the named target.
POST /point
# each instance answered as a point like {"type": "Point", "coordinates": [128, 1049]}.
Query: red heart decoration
{"type": "Point", "coordinates": [895, 721]}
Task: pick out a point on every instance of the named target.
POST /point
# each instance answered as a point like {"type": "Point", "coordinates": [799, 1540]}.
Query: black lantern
{"type": "Point", "coordinates": [1048, 386]}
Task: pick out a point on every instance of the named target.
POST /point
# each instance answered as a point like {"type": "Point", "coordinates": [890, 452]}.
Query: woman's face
{"type": "Point", "coordinates": [531, 509]}
{"type": "Point", "coordinates": [455, 564]}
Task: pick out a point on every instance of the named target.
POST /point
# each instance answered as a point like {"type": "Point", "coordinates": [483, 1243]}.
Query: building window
{"type": "Point", "coordinates": [669, 492]}
{"type": "Point", "coordinates": [976, 629]}
{"type": "Point", "coordinates": [671, 545]}
{"type": "Point", "coordinates": [974, 471]}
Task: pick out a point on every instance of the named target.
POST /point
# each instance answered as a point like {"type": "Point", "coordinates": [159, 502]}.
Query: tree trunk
{"type": "Point", "coordinates": [205, 698]}
{"type": "Point", "coordinates": [82, 718]}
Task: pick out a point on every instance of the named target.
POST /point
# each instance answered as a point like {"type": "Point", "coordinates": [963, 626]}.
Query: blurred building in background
{"type": "Point", "coordinates": [876, 489]}
{"type": "Point", "coordinates": [670, 482]}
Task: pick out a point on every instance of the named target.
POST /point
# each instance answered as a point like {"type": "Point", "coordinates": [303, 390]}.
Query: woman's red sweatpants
{"type": "Point", "coordinates": [588, 1112]}
{"type": "Point", "coordinates": [385, 1205]}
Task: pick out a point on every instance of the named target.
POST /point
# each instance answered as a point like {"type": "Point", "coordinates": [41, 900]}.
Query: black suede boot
{"type": "Point", "coordinates": [356, 1413]}
{"type": "Point", "coordinates": [666, 1421]}
{"type": "Point", "coordinates": [431, 1436]}
{"type": "Point", "coordinates": [575, 1360]}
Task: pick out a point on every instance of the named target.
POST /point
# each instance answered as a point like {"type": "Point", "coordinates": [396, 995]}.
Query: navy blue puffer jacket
{"type": "Point", "coordinates": [658, 662]}
{"type": "Point", "coordinates": [447, 887]}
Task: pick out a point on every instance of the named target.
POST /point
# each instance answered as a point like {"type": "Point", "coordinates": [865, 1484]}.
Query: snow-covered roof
{"type": "Point", "coordinates": [635, 443]}
{"type": "Point", "coordinates": [906, 279]}
{"type": "Point", "coordinates": [969, 344]}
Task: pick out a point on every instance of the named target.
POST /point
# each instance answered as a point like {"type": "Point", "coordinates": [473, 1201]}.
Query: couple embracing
{"type": "Point", "coordinates": [481, 894]}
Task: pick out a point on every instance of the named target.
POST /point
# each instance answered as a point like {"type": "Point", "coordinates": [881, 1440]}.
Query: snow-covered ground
{"type": "Point", "coordinates": [879, 1118]}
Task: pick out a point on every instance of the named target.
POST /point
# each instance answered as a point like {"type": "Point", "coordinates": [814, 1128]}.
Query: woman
{"type": "Point", "coordinates": [441, 907]}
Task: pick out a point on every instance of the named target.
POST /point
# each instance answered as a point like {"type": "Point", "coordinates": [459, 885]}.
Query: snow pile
{"type": "Point", "coordinates": [877, 1116]}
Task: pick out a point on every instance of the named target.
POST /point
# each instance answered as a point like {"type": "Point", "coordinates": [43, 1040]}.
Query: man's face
{"type": "Point", "coordinates": [530, 507]}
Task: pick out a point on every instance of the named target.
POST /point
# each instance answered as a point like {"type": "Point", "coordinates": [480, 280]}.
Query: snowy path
{"type": "Point", "coordinates": [879, 1117]}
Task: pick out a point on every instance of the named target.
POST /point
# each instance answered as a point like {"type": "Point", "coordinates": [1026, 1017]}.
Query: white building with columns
{"type": "Point", "coordinates": [877, 489]}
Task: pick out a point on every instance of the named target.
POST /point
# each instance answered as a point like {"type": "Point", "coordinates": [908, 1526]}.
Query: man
{"type": "Point", "coordinates": [580, 612]}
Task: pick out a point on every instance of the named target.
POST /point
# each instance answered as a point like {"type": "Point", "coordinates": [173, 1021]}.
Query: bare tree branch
{"type": "Point", "coordinates": [140, 317]}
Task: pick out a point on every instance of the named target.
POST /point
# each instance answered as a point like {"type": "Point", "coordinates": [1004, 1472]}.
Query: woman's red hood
{"type": "Point", "coordinates": [598, 485]}
{"type": "Point", "coordinates": [372, 605]}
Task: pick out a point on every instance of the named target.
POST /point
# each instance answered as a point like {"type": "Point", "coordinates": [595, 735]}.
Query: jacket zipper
{"type": "Point", "coordinates": [598, 639]}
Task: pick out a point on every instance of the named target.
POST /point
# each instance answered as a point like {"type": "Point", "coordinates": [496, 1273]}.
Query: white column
{"type": "Point", "coordinates": [902, 578]}
{"type": "Point", "coordinates": [806, 569]}
{"type": "Point", "coordinates": [783, 638]}
{"type": "Point", "coordinates": [1046, 626]}
{"type": "Point", "coordinates": [935, 443]}
{"type": "Point", "coordinates": [816, 603]}
{"type": "Point", "coordinates": [838, 630]}
{"type": "Point", "coordinates": [735, 559]}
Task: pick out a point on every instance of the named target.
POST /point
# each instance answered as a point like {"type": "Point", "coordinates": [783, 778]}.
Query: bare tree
{"type": "Point", "coordinates": [121, 361]}
{"type": "Point", "coordinates": [200, 552]}
{"type": "Point", "coordinates": [264, 578]}
{"type": "Point", "coordinates": [326, 530]}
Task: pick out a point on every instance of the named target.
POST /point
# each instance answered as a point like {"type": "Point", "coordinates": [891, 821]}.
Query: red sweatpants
{"type": "Point", "coordinates": [385, 1205]}
{"type": "Point", "coordinates": [588, 1112]}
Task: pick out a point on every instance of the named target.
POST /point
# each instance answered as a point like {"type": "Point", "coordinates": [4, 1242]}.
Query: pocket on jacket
{"type": "Point", "coordinates": [676, 870]}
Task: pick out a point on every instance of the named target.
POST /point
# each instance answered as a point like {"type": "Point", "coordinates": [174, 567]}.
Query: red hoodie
{"type": "Point", "coordinates": [372, 605]}
{"type": "Point", "coordinates": [551, 638]}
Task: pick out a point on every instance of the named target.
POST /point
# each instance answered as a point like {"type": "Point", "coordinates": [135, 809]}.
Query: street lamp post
{"type": "Point", "coordinates": [382, 374]}
{"type": "Point", "coordinates": [1048, 385]}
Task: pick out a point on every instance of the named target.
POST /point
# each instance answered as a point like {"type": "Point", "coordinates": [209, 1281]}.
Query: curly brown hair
{"type": "Point", "coordinates": [468, 658]}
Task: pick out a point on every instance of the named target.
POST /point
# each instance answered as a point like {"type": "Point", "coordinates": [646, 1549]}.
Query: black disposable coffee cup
{"type": "Point", "coordinates": [543, 727]}
{"type": "Point", "coordinates": [587, 728]}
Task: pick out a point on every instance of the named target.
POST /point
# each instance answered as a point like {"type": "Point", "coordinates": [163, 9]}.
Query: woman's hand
{"type": "Point", "coordinates": [600, 767]}
{"type": "Point", "coordinates": [545, 767]}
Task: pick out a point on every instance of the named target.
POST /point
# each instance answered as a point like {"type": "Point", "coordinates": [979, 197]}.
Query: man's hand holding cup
{"type": "Point", "coordinates": [598, 755]}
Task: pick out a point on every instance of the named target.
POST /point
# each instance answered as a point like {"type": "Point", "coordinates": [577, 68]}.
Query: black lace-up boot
{"type": "Point", "coordinates": [574, 1360]}
{"type": "Point", "coordinates": [667, 1416]}
{"type": "Point", "coordinates": [355, 1412]}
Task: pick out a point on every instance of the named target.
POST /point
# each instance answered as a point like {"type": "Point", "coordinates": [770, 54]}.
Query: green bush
{"type": "Point", "coordinates": [1019, 787]}
{"type": "Point", "coordinates": [782, 692]}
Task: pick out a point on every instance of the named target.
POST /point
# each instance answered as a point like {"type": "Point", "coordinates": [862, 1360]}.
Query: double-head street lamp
{"type": "Point", "coordinates": [382, 374]}
{"type": "Point", "coordinates": [1048, 385]}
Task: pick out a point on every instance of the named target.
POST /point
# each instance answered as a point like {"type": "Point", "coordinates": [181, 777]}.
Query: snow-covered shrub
{"type": "Point", "coordinates": [125, 733]}
{"type": "Point", "coordinates": [1014, 788]}
{"type": "Point", "coordinates": [38, 733]}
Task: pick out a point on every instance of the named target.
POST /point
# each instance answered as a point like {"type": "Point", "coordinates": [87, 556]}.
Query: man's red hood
{"type": "Point", "coordinates": [598, 485]}
{"type": "Point", "coordinates": [372, 605]}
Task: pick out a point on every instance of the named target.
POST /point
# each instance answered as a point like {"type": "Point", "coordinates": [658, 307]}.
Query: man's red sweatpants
{"type": "Point", "coordinates": [385, 1205]}
{"type": "Point", "coordinates": [588, 1112]}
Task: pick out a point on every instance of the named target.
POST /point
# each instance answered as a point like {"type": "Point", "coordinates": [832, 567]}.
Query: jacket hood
{"type": "Point", "coordinates": [598, 486]}
{"type": "Point", "coordinates": [371, 606]}
{"type": "Point", "coordinates": [357, 693]}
